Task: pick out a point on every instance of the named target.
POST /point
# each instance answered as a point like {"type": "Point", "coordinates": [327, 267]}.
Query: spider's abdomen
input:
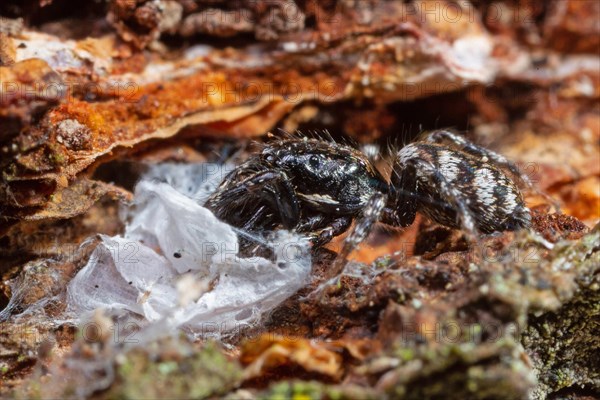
{"type": "Point", "coordinates": [492, 198]}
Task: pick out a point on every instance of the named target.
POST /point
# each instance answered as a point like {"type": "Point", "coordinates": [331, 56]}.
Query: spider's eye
{"type": "Point", "coordinates": [314, 162]}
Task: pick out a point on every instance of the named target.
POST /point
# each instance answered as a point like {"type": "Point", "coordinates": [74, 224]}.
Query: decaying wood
{"type": "Point", "coordinates": [104, 90]}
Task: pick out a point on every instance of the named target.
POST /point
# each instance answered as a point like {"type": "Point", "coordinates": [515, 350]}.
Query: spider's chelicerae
{"type": "Point", "coordinates": [319, 187]}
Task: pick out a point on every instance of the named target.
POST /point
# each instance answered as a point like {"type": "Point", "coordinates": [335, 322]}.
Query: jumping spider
{"type": "Point", "coordinates": [319, 187]}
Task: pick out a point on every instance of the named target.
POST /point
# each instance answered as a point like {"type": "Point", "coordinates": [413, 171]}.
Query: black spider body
{"type": "Point", "coordinates": [327, 177]}
{"type": "Point", "coordinates": [319, 187]}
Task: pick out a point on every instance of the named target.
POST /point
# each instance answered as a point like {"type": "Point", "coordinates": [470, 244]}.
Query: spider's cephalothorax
{"type": "Point", "coordinates": [318, 187]}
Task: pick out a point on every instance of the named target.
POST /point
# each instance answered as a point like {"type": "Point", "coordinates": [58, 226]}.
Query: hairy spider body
{"type": "Point", "coordinates": [491, 198]}
{"type": "Point", "coordinates": [319, 187]}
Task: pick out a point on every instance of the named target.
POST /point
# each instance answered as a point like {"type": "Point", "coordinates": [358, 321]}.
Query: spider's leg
{"type": "Point", "coordinates": [364, 224]}
{"type": "Point", "coordinates": [271, 187]}
{"type": "Point", "coordinates": [361, 230]}
{"type": "Point", "coordinates": [323, 228]}
{"type": "Point", "coordinates": [403, 200]}
{"type": "Point", "coordinates": [258, 218]}
{"type": "Point", "coordinates": [434, 179]}
{"type": "Point", "coordinates": [313, 223]}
